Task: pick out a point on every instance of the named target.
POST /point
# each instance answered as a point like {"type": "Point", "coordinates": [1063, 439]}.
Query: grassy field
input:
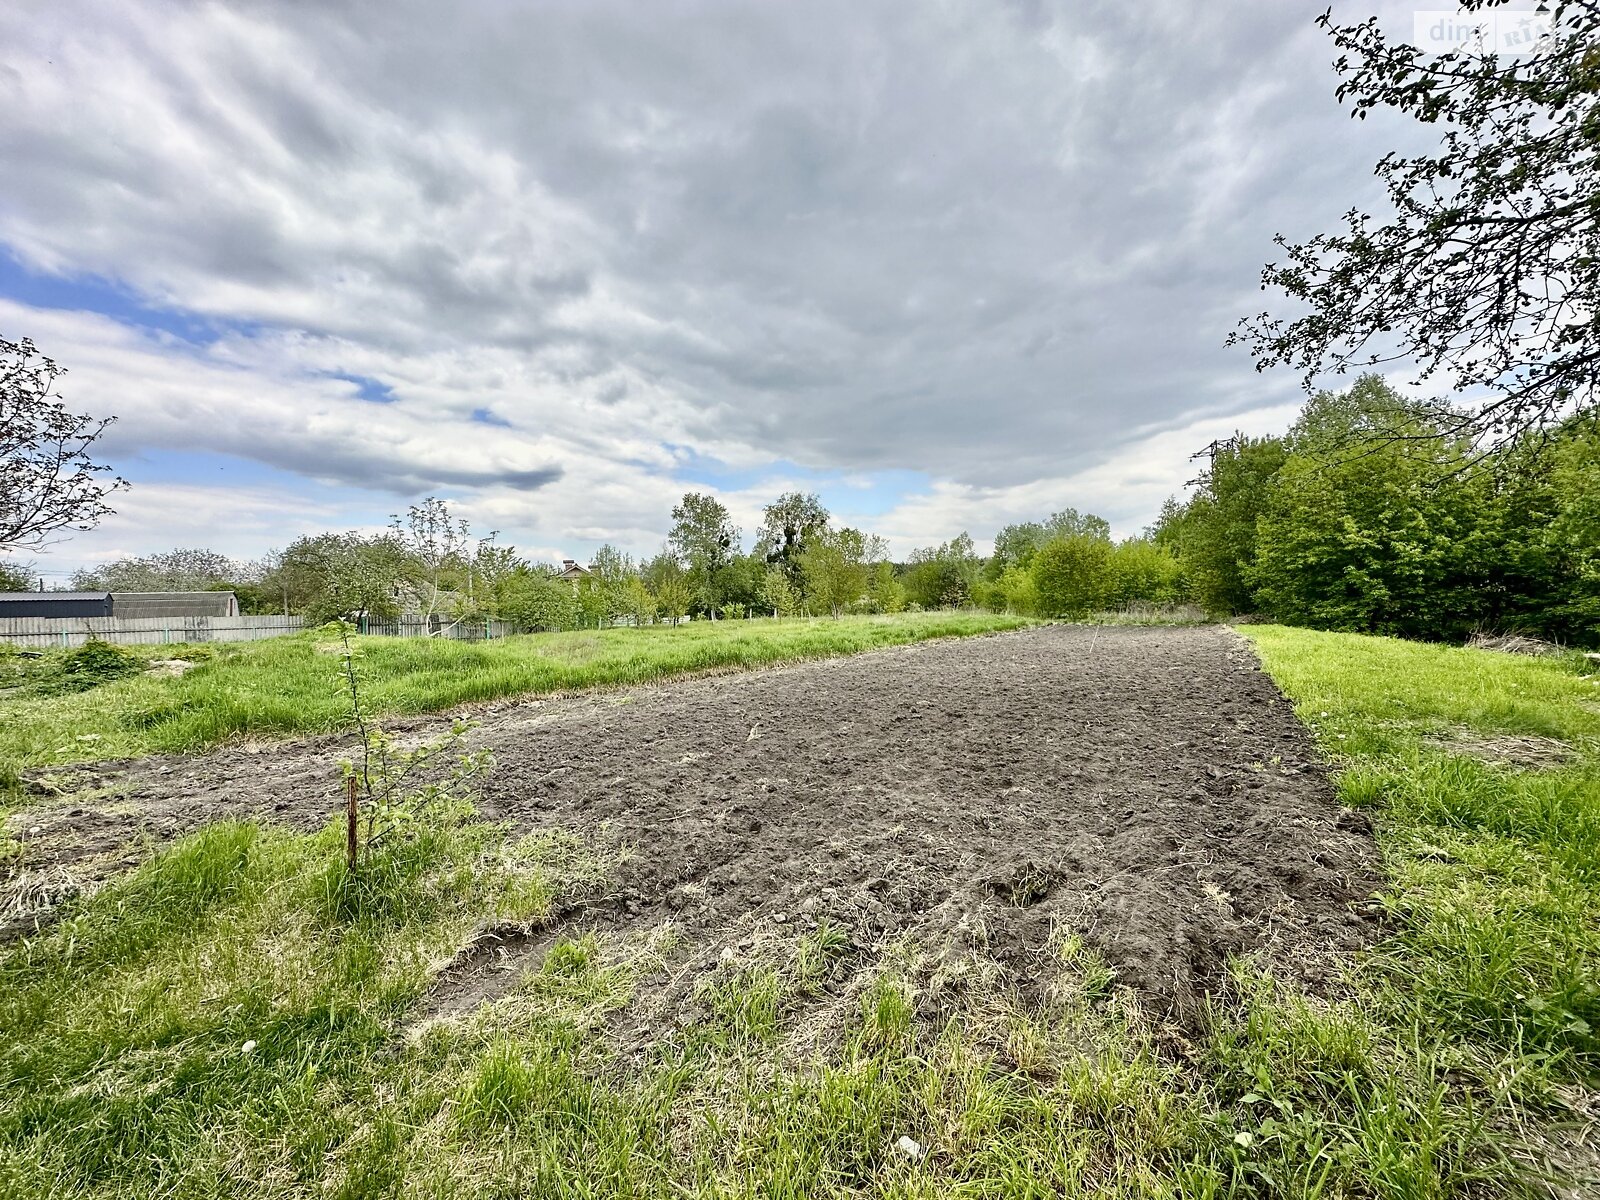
{"type": "Point", "coordinates": [240, 1017]}
{"type": "Point", "coordinates": [289, 685]}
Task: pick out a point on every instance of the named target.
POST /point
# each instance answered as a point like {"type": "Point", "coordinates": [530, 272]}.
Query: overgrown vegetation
{"type": "Point", "coordinates": [1370, 516]}
{"type": "Point", "coordinates": [281, 687]}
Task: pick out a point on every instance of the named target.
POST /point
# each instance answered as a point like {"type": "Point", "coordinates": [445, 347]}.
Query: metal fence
{"type": "Point", "coordinates": [442, 627]}
{"type": "Point", "coordinates": [75, 631]}
{"type": "Point", "coordinates": [66, 632]}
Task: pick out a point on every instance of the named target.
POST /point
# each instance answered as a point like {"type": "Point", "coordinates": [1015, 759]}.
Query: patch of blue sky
{"type": "Point", "coordinates": [374, 390]}
{"type": "Point", "coordinates": [109, 298]}
{"type": "Point", "coordinates": [209, 468]}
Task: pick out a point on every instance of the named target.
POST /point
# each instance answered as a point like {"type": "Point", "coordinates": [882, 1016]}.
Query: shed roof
{"type": "Point", "coordinates": [36, 597]}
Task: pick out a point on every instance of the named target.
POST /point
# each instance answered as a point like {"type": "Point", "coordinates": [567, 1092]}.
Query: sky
{"type": "Point", "coordinates": [950, 265]}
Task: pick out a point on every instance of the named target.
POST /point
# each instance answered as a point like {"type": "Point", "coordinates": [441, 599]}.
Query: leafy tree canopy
{"type": "Point", "coordinates": [1486, 270]}
{"type": "Point", "coordinates": [49, 480]}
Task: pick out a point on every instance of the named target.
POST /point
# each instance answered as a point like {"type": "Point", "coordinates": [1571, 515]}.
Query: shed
{"type": "Point", "coordinates": [174, 604]}
{"type": "Point", "coordinates": [55, 604]}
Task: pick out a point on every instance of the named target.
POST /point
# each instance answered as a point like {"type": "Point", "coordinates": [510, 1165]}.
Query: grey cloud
{"type": "Point", "coordinates": [985, 242]}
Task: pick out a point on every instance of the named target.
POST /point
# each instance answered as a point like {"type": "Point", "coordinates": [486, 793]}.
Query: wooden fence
{"type": "Point", "coordinates": [75, 631]}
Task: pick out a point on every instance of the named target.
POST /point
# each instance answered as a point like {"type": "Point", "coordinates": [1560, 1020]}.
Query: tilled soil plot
{"type": "Point", "coordinates": [1146, 788]}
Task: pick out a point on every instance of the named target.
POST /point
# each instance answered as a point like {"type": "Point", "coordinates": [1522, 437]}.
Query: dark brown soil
{"type": "Point", "coordinates": [1148, 788]}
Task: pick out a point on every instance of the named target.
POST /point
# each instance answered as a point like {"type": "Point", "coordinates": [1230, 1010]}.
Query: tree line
{"type": "Point", "coordinates": [800, 562]}
{"type": "Point", "coordinates": [1375, 513]}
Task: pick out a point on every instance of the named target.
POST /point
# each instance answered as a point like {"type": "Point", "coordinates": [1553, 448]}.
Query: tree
{"type": "Point", "coordinates": [1140, 569]}
{"type": "Point", "coordinates": [1016, 592]}
{"type": "Point", "coordinates": [1370, 536]}
{"type": "Point", "coordinates": [345, 576]}
{"type": "Point", "coordinates": [668, 582]}
{"type": "Point", "coordinates": [180, 570]}
{"type": "Point", "coordinates": [637, 602]}
{"type": "Point", "coordinates": [434, 540]}
{"type": "Point", "coordinates": [1215, 533]}
{"type": "Point", "coordinates": [530, 598]}
{"type": "Point", "coordinates": [943, 576]}
{"type": "Point", "coordinates": [487, 566]}
{"type": "Point", "coordinates": [779, 594]}
{"type": "Point", "coordinates": [1572, 536]}
{"type": "Point", "coordinates": [884, 589]}
{"type": "Point", "coordinates": [836, 567]}
{"type": "Point", "coordinates": [787, 526]}
{"type": "Point", "coordinates": [48, 479]}
{"type": "Point", "coordinates": [1015, 545]}
{"type": "Point", "coordinates": [1486, 273]}
{"type": "Point", "coordinates": [16, 576]}
{"type": "Point", "coordinates": [705, 539]}
{"type": "Point", "coordinates": [1070, 574]}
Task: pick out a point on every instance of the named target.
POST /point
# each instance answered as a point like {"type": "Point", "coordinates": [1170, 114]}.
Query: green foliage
{"type": "Point", "coordinates": [670, 584]}
{"type": "Point", "coordinates": [779, 594]}
{"type": "Point", "coordinates": [1015, 545]}
{"type": "Point", "coordinates": [788, 525]}
{"type": "Point", "coordinates": [16, 576]}
{"type": "Point", "coordinates": [95, 663]}
{"type": "Point", "coordinates": [943, 576]}
{"type": "Point", "coordinates": [837, 568]}
{"type": "Point", "coordinates": [1215, 534]}
{"type": "Point", "coordinates": [531, 599]}
{"type": "Point", "coordinates": [1360, 533]}
{"type": "Point", "coordinates": [1484, 272]}
{"type": "Point", "coordinates": [885, 592]}
{"type": "Point", "coordinates": [1140, 569]}
{"type": "Point", "coordinates": [180, 570]}
{"type": "Point", "coordinates": [338, 576]}
{"type": "Point", "coordinates": [706, 540]}
{"type": "Point", "coordinates": [1371, 516]}
{"type": "Point", "coordinates": [1071, 574]}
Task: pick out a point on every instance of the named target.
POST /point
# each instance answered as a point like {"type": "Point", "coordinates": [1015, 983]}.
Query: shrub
{"type": "Point", "coordinates": [94, 663]}
{"type": "Point", "coordinates": [1070, 574]}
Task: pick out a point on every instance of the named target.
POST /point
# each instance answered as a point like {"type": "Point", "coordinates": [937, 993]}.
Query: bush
{"type": "Point", "coordinates": [1141, 570]}
{"type": "Point", "coordinates": [1070, 575]}
{"type": "Point", "coordinates": [94, 663]}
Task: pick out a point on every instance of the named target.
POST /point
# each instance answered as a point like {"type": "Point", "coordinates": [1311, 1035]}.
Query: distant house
{"type": "Point", "coordinates": [156, 605]}
{"type": "Point", "coordinates": [571, 571]}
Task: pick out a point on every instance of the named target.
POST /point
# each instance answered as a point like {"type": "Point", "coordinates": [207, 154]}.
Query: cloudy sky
{"type": "Point", "coordinates": [949, 264]}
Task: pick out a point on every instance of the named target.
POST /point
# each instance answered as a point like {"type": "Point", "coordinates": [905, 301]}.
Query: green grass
{"type": "Point", "coordinates": [1496, 870]}
{"type": "Point", "coordinates": [288, 686]}
{"type": "Point", "coordinates": [1448, 1063]}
